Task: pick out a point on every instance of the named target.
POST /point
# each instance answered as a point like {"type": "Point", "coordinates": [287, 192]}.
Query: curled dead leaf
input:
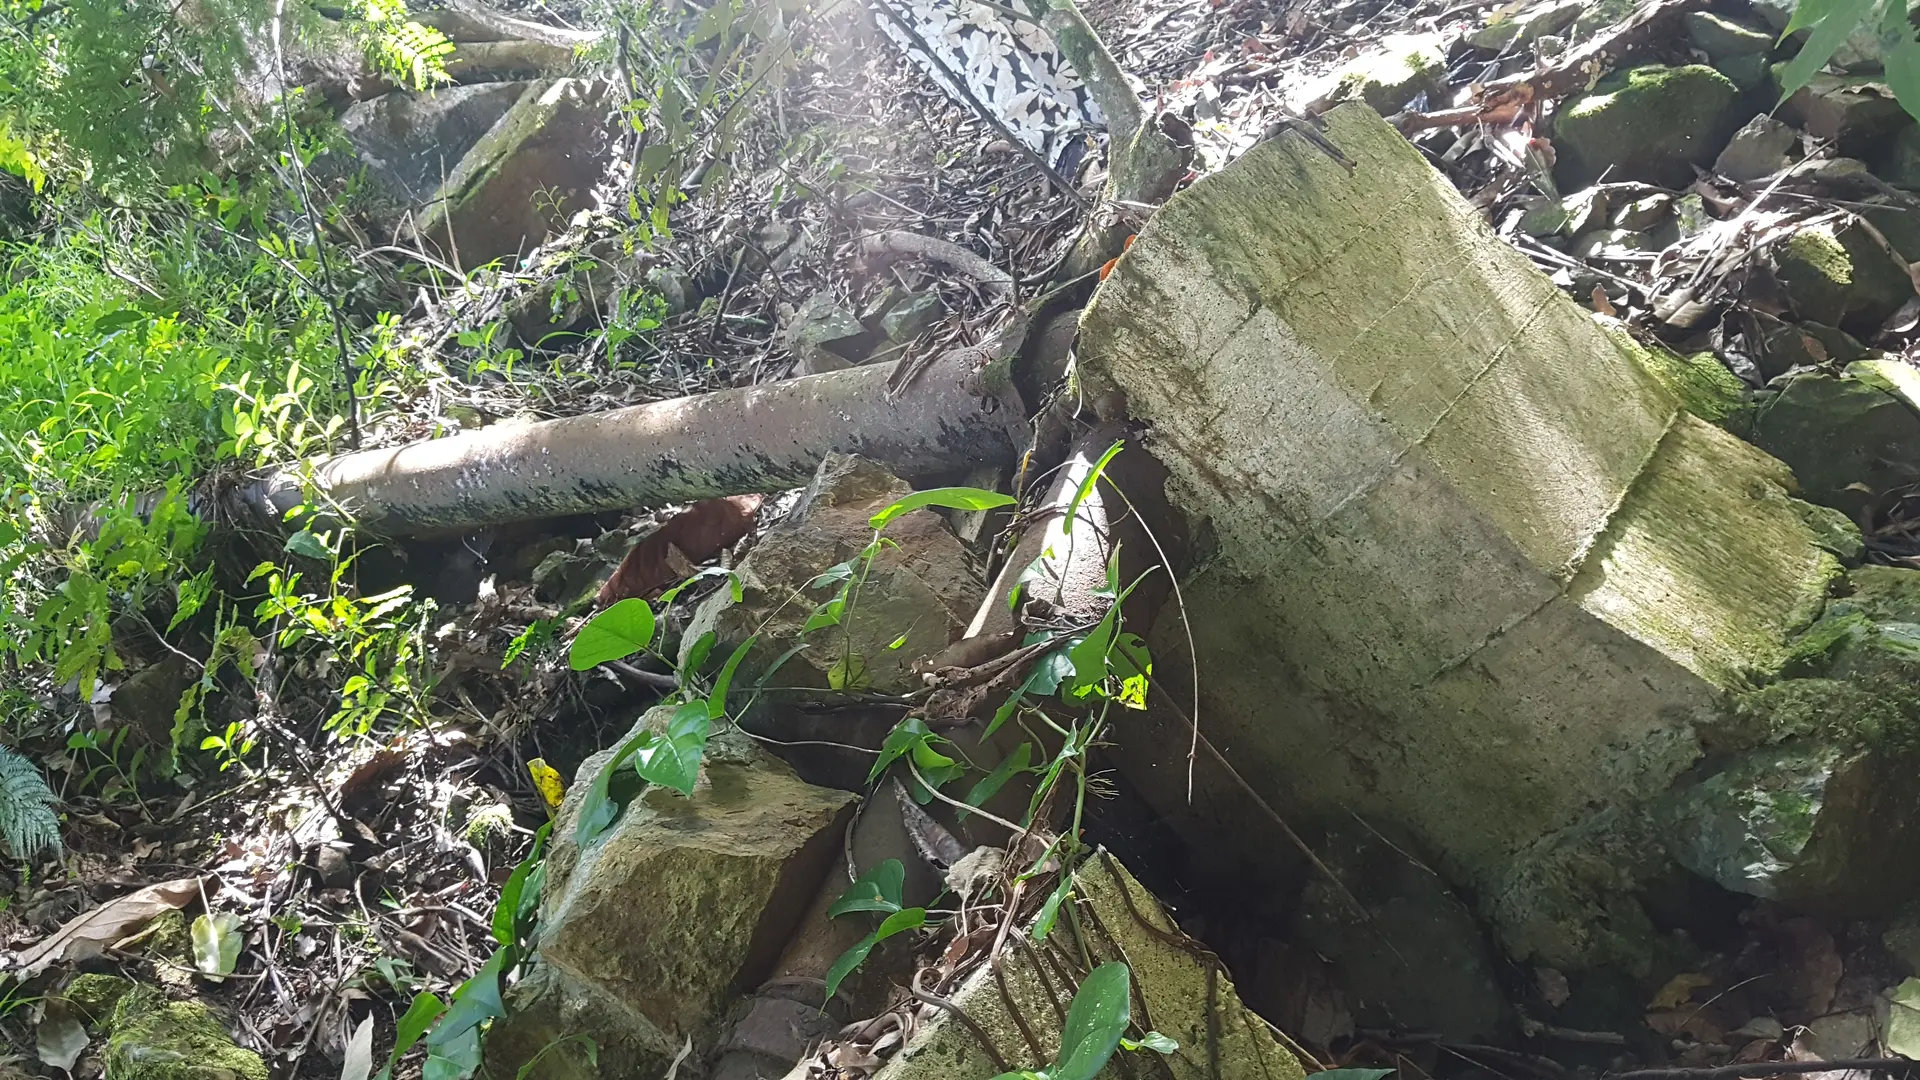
{"type": "Point", "coordinates": [87, 935]}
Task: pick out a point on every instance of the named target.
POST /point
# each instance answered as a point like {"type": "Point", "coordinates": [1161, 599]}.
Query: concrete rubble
{"type": "Point", "coordinates": [1474, 574]}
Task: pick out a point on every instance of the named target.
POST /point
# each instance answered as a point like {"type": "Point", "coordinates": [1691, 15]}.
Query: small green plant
{"type": "Point", "coordinates": [27, 821]}
{"type": "Point", "coordinates": [379, 640]}
{"type": "Point", "coordinates": [878, 890]}
{"type": "Point", "coordinates": [848, 671]}
{"type": "Point", "coordinates": [108, 756]}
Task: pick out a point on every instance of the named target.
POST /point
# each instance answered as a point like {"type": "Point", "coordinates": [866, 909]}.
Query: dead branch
{"type": "Point", "coordinates": [944, 252]}
{"type": "Point", "coordinates": [1503, 99]}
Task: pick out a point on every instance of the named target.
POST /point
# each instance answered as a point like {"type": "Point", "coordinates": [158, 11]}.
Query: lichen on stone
{"type": "Point", "coordinates": [153, 1038]}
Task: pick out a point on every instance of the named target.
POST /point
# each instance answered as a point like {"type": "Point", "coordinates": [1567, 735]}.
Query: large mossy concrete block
{"type": "Point", "coordinates": [649, 931]}
{"type": "Point", "coordinates": [1187, 996]}
{"type": "Point", "coordinates": [1474, 572]}
{"type": "Point", "coordinates": [410, 142]}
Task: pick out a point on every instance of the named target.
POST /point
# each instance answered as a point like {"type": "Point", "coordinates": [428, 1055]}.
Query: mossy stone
{"type": "Point", "coordinates": [156, 1039]}
{"type": "Point", "coordinates": [1390, 78]}
{"type": "Point", "coordinates": [1720, 37]}
{"type": "Point", "coordinates": [1853, 111]}
{"type": "Point", "coordinates": [1899, 163]}
{"type": "Point", "coordinates": [1841, 277]}
{"type": "Point", "coordinates": [96, 994]}
{"type": "Point", "coordinates": [1845, 440]}
{"type": "Point", "coordinates": [1834, 531]}
{"type": "Point", "coordinates": [1651, 123]}
{"type": "Point", "coordinates": [1600, 15]}
{"type": "Point", "coordinates": [1885, 593]}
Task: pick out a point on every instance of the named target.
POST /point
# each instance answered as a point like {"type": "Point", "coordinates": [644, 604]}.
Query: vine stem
{"type": "Point", "coordinates": [348, 376]}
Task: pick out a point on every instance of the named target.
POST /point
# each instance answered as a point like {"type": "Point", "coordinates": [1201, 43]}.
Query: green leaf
{"type": "Point", "coordinates": [896, 923]}
{"type": "Point", "coordinates": [1018, 761]}
{"type": "Point", "coordinates": [1095, 1021]}
{"type": "Point", "coordinates": [900, 922]}
{"type": "Point", "coordinates": [1089, 657]}
{"type": "Point", "coordinates": [455, 1059]}
{"type": "Point", "coordinates": [420, 1015]}
{"type": "Point", "coordinates": [216, 944]}
{"type": "Point", "coordinates": [1053, 669]}
{"type": "Point", "coordinates": [597, 808]}
{"type": "Point", "coordinates": [307, 545]}
{"type": "Point", "coordinates": [953, 498]}
{"type": "Point", "coordinates": [673, 760]}
{"type": "Point", "coordinates": [906, 735]}
{"type": "Point", "coordinates": [717, 701]}
{"type": "Point", "coordinates": [1133, 663]}
{"type": "Point", "coordinates": [119, 320]}
{"type": "Point", "coordinates": [513, 901]}
{"type": "Point", "coordinates": [1900, 56]}
{"type": "Point", "coordinates": [614, 634]}
{"type": "Point", "coordinates": [826, 614]}
{"type": "Point", "coordinates": [1050, 911]}
{"type": "Point", "coordinates": [1154, 1041]}
{"type": "Point", "coordinates": [1832, 22]}
{"type": "Point", "coordinates": [838, 572]}
{"type": "Point", "coordinates": [879, 889]}
{"type": "Point", "coordinates": [475, 1002]}
{"type": "Point", "coordinates": [1903, 1019]}
{"type": "Point", "coordinates": [1086, 486]}
{"type": "Point", "coordinates": [698, 652]}
{"type": "Point", "coordinates": [1008, 707]}
{"type": "Point", "coordinates": [848, 961]}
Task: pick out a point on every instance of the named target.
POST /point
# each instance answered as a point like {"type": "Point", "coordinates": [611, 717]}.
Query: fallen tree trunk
{"type": "Point", "coordinates": [732, 442]}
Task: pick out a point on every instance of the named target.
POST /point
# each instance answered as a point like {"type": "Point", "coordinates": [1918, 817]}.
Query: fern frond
{"type": "Point", "coordinates": [27, 820]}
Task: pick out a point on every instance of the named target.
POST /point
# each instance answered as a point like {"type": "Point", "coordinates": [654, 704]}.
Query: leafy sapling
{"type": "Point", "coordinates": [881, 890]}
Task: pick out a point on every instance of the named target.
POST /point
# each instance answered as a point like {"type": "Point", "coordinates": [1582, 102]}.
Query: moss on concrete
{"type": "Point", "coordinates": [1187, 998]}
{"type": "Point", "coordinates": [1707, 560]}
{"type": "Point", "coordinates": [1390, 78]}
{"type": "Point", "coordinates": [156, 1039]}
{"type": "Point", "coordinates": [1834, 531]}
{"type": "Point", "coordinates": [1846, 441]}
{"type": "Point", "coordinates": [1459, 529]}
{"type": "Point", "coordinates": [1702, 383]}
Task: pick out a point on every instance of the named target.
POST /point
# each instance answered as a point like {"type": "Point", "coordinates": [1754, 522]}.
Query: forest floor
{"type": "Point", "coordinates": [363, 870]}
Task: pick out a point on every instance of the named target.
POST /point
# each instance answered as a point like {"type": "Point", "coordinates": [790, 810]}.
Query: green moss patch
{"type": "Point", "coordinates": [156, 1039]}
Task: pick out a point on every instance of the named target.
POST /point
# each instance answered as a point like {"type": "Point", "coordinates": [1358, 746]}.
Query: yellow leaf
{"type": "Point", "coordinates": [546, 779]}
{"type": "Point", "coordinates": [1679, 990]}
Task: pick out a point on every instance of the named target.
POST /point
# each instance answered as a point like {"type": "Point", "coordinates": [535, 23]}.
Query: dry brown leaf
{"type": "Point", "coordinates": [87, 935]}
{"type": "Point", "coordinates": [670, 553]}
